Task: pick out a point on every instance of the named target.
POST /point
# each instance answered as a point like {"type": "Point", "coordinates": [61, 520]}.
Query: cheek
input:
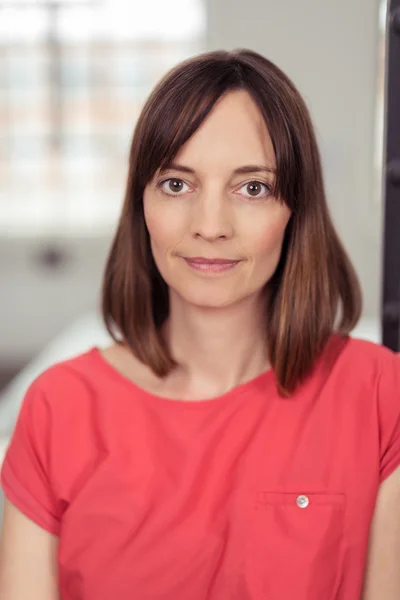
{"type": "Point", "coordinates": [166, 234]}
{"type": "Point", "coordinates": [162, 230]}
{"type": "Point", "coordinates": [156, 230]}
{"type": "Point", "coordinates": [268, 238]}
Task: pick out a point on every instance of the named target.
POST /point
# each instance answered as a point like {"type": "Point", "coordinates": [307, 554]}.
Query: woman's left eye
{"type": "Point", "coordinates": [255, 189]}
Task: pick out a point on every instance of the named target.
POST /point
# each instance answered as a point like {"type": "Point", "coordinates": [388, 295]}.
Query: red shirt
{"type": "Point", "coordinates": [248, 496]}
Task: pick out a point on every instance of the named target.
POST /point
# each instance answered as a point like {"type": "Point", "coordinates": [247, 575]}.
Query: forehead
{"type": "Point", "coordinates": [233, 134]}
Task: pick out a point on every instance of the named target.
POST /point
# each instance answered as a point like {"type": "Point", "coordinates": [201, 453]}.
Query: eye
{"type": "Point", "coordinates": [173, 187]}
{"type": "Point", "coordinates": [255, 189]}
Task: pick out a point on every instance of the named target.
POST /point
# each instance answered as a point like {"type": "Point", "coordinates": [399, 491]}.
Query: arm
{"type": "Point", "coordinates": [28, 559]}
{"type": "Point", "coordinates": [382, 575]}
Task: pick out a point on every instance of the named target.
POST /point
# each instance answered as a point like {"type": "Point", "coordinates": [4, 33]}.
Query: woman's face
{"type": "Point", "coordinates": [214, 204]}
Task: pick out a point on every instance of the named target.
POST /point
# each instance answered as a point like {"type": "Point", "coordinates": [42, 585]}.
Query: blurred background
{"type": "Point", "coordinates": [73, 78]}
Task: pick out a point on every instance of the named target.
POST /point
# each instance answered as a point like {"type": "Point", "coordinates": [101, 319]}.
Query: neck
{"type": "Point", "coordinates": [217, 349]}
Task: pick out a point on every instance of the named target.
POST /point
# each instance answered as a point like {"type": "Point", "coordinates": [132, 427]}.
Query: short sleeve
{"type": "Point", "coordinates": [25, 471]}
{"type": "Point", "coordinates": [389, 415]}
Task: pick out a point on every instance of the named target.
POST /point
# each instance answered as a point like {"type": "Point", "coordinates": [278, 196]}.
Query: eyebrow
{"type": "Point", "coordinates": [239, 171]}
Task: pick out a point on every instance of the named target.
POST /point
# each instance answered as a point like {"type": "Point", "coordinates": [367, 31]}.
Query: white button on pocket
{"type": "Point", "coordinates": [302, 501]}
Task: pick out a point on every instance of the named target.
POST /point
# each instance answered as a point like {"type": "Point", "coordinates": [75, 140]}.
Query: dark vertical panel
{"type": "Point", "coordinates": [391, 258]}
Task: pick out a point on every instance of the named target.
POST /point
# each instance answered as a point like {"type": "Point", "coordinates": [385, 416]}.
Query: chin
{"type": "Point", "coordinates": [207, 299]}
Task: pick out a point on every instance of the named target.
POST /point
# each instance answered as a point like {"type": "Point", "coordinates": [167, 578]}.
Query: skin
{"type": "Point", "coordinates": [214, 320]}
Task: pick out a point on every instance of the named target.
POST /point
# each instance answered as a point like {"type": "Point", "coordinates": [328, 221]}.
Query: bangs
{"type": "Point", "coordinates": [185, 97]}
{"type": "Point", "coordinates": [176, 109]}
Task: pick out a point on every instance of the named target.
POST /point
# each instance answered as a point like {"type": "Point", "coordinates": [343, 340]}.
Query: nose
{"type": "Point", "coordinates": [211, 219]}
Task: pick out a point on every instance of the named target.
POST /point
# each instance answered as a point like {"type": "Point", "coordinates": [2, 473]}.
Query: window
{"type": "Point", "coordinates": [73, 78]}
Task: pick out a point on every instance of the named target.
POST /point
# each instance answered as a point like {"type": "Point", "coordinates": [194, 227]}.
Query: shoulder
{"type": "Point", "coordinates": [69, 405]}
{"type": "Point", "coordinates": [59, 436]}
{"type": "Point", "coordinates": [75, 372]}
{"type": "Point", "coordinates": [365, 381]}
{"type": "Point", "coordinates": [361, 362]}
{"type": "Point", "coordinates": [373, 367]}
{"type": "Point", "coordinates": [85, 389]}
{"type": "Point", "coordinates": [357, 348]}
{"type": "Point", "coordinates": [64, 388]}
{"type": "Point", "coordinates": [361, 377]}
{"type": "Point", "coordinates": [363, 370]}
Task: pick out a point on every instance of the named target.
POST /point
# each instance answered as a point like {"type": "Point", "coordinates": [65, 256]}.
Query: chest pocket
{"type": "Point", "coordinates": [294, 547]}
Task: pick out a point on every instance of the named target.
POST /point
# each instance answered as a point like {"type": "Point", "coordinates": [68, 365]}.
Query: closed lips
{"type": "Point", "coordinates": [215, 261]}
{"type": "Point", "coordinates": [212, 265]}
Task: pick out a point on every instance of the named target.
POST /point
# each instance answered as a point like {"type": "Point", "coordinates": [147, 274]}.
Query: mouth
{"type": "Point", "coordinates": [211, 265]}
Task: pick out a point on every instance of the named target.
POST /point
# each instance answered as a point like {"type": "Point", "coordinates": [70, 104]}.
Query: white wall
{"type": "Point", "coordinates": [37, 302]}
{"type": "Point", "coordinates": [330, 51]}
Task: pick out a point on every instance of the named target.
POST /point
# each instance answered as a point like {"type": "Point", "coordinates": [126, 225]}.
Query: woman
{"type": "Point", "coordinates": [234, 442]}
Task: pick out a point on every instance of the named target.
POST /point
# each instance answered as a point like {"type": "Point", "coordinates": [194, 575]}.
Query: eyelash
{"type": "Point", "coordinates": [263, 183]}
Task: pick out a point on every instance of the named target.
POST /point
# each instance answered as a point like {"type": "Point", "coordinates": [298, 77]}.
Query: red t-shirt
{"type": "Point", "coordinates": [248, 496]}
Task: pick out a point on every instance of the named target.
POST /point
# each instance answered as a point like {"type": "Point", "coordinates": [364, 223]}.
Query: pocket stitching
{"type": "Point", "coordinates": [319, 499]}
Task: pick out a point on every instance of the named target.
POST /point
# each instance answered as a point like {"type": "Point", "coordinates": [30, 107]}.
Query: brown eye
{"type": "Point", "coordinates": [255, 189]}
{"type": "Point", "coordinates": [173, 187]}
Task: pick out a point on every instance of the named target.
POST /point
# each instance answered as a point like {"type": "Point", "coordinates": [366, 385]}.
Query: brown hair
{"type": "Point", "coordinates": [314, 280]}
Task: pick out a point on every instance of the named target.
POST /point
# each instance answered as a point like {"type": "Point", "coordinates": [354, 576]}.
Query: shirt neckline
{"type": "Point", "coordinates": [257, 385]}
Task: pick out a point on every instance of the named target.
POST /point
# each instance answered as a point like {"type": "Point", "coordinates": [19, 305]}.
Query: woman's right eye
{"type": "Point", "coordinates": [173, 187]}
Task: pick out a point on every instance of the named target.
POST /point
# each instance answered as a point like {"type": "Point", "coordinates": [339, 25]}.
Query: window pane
{"type": "Point", "coordinates": [73, 78]}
